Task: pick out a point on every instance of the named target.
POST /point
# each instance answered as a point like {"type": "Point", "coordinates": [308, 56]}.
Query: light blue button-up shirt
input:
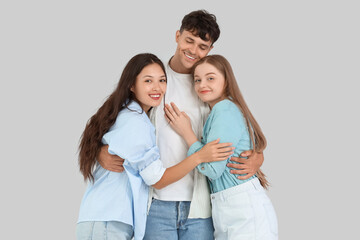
{"type": "Point", "coordinates": [123, 196]}
{"type": "Point", "coordinates": [227, 123]}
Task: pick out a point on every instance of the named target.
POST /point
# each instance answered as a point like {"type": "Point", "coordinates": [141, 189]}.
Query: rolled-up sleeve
{"type": "Point", "coordinates": [133, 139]}
{"type": "Point", "coordinates": [153, 173]}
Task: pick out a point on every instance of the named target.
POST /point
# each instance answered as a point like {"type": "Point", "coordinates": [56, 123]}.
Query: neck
{"type": "Point", "coordinates": [146, 110]}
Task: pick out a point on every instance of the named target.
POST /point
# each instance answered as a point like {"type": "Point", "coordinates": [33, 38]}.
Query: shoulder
{"type": "Point", "coordinates": [227, 115]}
{"type": "Point", "coordinates": [131, 127]}
{"type": "Point", "coordinates": [226, 108]}
{"type": "Point", "coordinates": [132, 118]}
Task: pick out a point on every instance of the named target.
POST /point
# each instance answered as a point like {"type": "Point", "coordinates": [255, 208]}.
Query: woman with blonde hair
{"type": "Point", "coordinates": [240, 208]}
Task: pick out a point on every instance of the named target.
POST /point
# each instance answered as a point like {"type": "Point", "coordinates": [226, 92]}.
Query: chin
{"type": "Point", "coordinates": [188, 63]}
{"type": "Point", "coordinates": [204, 100]}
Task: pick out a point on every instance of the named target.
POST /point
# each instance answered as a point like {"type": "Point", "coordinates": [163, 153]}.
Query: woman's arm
{"type": "Point", "coordinates": [213, 151]}
{"type": "Point", "coordinates": [222, 126]}
{"type": "Point", "coordinates": [142, 155]}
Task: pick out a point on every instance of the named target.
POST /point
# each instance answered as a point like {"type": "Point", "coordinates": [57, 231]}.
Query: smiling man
{"type": "Point", "coordinates": [190, 49]}
{"type": "Point", "coordinates": [182, 210]}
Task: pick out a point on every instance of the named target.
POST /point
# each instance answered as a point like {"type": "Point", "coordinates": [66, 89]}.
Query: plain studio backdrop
{"type": "Point", "coordinates": [297, 64]}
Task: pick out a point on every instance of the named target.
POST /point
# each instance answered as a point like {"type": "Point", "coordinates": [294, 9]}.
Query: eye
{"type": "Point", "coordinates": [210, 78]}
{"type": "Point", "coordinates": [188, 40]}
{"type": "Point", "coordinates": [148, 80]}
{"type": "Point", "coordinates": [163, 80]}
{"type": "Point", "coordinates": [197, 80]}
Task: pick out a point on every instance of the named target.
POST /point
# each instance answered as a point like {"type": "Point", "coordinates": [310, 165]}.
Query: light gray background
{"type": "Point", "coordinates": [297, 64]}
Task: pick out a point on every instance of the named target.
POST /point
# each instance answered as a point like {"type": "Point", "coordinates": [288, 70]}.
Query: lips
{"type": "Point", "coordinates": [155, 96]}
{"type": "Point", "coordinates": [189, 57]}
{"type": "Point", "coordinates": [205, 91]}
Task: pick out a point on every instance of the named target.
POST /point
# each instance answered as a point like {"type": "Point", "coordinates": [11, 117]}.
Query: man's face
{"type": "Point", "coordinates": [190, 49]}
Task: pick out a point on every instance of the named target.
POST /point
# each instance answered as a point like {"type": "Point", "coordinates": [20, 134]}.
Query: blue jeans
{"type": "Point", "coordinates": [103, 231]}
{"type": "Point", "coordinates": [168, 220]}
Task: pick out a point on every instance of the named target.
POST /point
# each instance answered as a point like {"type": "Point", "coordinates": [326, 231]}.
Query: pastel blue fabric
{"type": "Point", "coordinates": [104, 231]}
{"type": "Point", "coordinates": [123, 196]}
{"type": "Point", "coordinates": [226, 122]}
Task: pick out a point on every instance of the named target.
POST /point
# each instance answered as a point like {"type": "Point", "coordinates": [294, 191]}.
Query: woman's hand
{"type": "Point", "coordinates": [215, 151]}
{"type": "Point", "coordinates": [180, 122]}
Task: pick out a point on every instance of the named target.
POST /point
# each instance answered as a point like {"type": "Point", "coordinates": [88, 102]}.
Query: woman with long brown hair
{"type": "Point", "coordinates": [240, 208]}
{"type": "Point", "coordinates": [114, 204]}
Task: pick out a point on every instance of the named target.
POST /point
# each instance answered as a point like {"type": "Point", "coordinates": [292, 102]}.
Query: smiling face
{"type": "Point", "coordinates": [209, 83]}
{"type": "Point", "coordinates": [150, 86]}
{"type": "Point", "coordinates": [190, 49]}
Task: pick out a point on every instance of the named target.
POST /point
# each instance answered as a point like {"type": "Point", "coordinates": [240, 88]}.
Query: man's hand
{"type": "Point", "coordinates": [110, 162]}
{"type": "Point", "coordinates": [247, 166]}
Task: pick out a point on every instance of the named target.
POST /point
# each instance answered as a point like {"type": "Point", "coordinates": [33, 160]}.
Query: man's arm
{"type": "Point", "coordinates": [110, 162]}
{"type": "Point", "coordinates": [248, 166]}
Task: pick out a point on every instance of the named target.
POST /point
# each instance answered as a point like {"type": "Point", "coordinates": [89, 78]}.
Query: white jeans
{"type": "Point", "coordinates": [244, 212]}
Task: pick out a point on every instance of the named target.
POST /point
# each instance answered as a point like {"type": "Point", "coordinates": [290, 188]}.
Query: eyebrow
{"type": "Point", "coordinates": [152, 76]}
{"type": "Point", "coordinates": [206, 74]}
{"type": "Point", "coordinates": [210, 73]}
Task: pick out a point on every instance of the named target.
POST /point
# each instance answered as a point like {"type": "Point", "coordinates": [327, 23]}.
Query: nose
{"type": "Point", "coordinates": [156, 86]}
{"type": "Point", "coordinates": [192, 49]}
{"type": "Point", "coordinates": [202, 84]}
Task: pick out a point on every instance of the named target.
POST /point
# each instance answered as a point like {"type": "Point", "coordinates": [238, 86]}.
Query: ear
{"type": "Point", "coordinates": [177, 36]}
{"type": "Point", "coordinates": [132, 89]}
{"type": "Point", "coordinates": [212, 46]}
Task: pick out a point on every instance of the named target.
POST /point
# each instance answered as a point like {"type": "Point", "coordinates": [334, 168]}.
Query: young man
{"type": "Point", "coordinates": [182, 210]}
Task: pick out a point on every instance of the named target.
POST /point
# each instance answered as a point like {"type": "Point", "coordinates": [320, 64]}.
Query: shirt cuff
{"type": "Point", "coordinates": [196, 146]}
{"type": "Point", "coordinates": [153, 173]}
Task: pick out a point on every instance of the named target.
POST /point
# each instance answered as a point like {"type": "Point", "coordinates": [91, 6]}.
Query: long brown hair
{"type": "Point", "coordinates": [105, 117]}
{"type": "Point", "coordinates": [233, 93]}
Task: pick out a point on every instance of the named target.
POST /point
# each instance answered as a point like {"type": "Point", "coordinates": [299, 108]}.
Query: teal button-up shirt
{"type": "Point", "coordinates": [226, 122]}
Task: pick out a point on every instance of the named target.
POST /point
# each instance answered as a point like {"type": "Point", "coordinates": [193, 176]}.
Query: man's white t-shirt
{"type": "Point", "coordinates": [173, 148]}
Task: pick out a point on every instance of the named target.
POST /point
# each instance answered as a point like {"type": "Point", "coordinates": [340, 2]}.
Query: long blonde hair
{"type": "Point", "coordinates": [232, 91]}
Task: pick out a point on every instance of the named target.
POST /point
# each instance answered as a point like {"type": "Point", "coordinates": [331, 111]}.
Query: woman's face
{"type": "Point", "coordinates": [209, 84]}
{"type": "Point", "coordinates": [150, 86]}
